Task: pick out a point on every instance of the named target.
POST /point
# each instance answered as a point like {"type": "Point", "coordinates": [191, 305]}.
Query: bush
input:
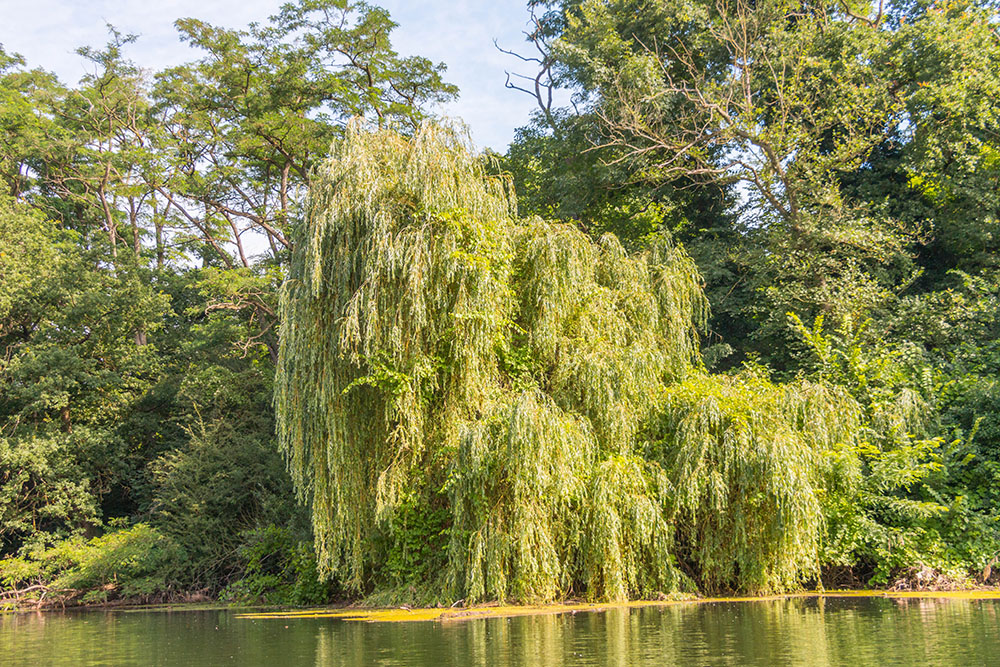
{"type": "Point", "coordinates": [278, 568]}
{"type": "Point", "coordinates": [226, 480]}
{"type": "Point", "coordinates": [136, 562]}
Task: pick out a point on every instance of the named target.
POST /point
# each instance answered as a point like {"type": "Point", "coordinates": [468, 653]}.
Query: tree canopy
{"type": "Point", "coordinates": [541, 389]}
{"type": "Point", "coordinates": [271, 330]}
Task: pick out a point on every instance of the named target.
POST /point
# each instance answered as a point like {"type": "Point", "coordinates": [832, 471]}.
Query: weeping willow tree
{"type": "Point", "coordinates": [537, 393]}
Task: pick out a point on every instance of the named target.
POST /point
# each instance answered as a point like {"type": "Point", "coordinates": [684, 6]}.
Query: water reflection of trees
{"type": "Point", "coordinates": [794, 631]}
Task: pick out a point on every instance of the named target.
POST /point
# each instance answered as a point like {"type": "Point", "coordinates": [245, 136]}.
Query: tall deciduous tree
{"type": "Point", "coordinates": [793, 107]}
{"type": "Point", "coordinates": [245, 125]}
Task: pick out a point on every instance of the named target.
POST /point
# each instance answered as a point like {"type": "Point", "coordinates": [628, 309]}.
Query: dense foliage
{"type": "Point", "coordinates": [727, 322]}
{"type": "Point", "coordinates": [847, 152]}
{"type": "Point", "coordinates": [540, 396]}
{"type": "Point", "coordinates": [144, 219]}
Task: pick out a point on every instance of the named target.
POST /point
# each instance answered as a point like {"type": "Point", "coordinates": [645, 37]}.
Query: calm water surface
{"type": "Point", "coordinates": [872, 631]}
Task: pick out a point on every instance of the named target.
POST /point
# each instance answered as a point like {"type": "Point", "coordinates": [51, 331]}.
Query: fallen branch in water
{"type": "Point", "coordinates": [17, 594]}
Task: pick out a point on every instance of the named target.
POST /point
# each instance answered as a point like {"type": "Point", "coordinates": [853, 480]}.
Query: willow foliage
{"type": "Point", "coordinates": [396, 301]}
{"type": "Point", "coordinates": [518, 486]}
{"type": "Point", "coordinates": [747, 459]}
{"type": "Point", "coordinates": [539, 386]}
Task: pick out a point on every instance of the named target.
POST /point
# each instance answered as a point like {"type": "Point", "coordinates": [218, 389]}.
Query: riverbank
{"type": "Point", "coordinates": [405, 614]}
{"type": "Point", "coordinates": [354, 612]}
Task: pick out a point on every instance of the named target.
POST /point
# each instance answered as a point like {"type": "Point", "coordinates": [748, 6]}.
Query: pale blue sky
{"type": "Point", "coordinates": [459, 33]}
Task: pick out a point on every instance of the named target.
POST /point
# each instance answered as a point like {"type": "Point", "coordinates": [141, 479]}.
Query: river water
{"type": "Point", "coordinates": [830, 631]}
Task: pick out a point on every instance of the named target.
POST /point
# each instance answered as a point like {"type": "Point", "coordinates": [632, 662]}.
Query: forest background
{"type": "Point", "coordinates": [832, 170]}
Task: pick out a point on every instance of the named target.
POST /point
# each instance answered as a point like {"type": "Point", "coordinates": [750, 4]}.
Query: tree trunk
{"type": "Point", "coordinates": [67, 423]}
